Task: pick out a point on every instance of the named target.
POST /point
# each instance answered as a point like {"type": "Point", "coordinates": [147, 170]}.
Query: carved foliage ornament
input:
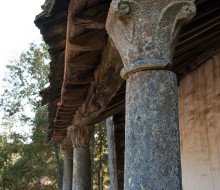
{"type": "Point", "coordinates": [80, 135]}
{"type": "Point", "coordinates": [145, 31]}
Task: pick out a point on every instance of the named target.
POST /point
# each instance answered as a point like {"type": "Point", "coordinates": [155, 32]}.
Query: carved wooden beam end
{"type": "Point", "coordinates": [80, 135]}
{"type": "Point", "coordinates": [145, 31]}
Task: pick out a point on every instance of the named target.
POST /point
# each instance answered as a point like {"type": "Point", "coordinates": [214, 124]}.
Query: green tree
{"type": "Point", "coordinates": [29, 164]}
{"type": "Point", "coordinates": [25, 77]}
{"type": "Point", "coordinates": [11, 147]}
{"type": "Point", "coordinates": [99, 158]}
{"type": "Point", "coordinates": [35, 164]}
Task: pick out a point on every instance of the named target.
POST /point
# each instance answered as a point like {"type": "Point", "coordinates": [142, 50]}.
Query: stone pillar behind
{"type": "Point", "coordinates": [145, 32]}
{"type": "Point", "coordinates": [80, 137]}
{"type": "Point", "coordinates": [67, 151]}
{"type": "Point", "coordinates": [116, 144]}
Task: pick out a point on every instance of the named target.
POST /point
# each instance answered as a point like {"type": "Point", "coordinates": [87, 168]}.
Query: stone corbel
{"type": "Point", "coordinates": [145, 31]}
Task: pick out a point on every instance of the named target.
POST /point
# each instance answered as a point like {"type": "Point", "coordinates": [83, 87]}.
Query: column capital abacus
{"type": "Point", "coordinates": [145, 31]}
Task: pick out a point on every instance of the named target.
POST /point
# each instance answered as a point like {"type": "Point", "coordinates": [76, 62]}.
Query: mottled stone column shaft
{"type": "Point", "coordinates": [80, 136]}
{"type": "Point", "coordinates": [145, 32]}
{"type": "Point", "coordinates": [67, 152]}
{"type": "Point", "coordinates": [116, 144]}
{"type": "Point", "coordinates": [152, 160]}
{"type": "Point", "coordinates": [82, 169]}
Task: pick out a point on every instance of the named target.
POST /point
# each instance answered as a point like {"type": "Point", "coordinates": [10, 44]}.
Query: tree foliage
{"type": "Point", "coordinates": [29, 161]}
{"type": "Point", "coordinates": [25, 77]}
{"type": "Point", "coordinates": [99, 158]}
{"type": "Point", "coordinates": [26, 164]}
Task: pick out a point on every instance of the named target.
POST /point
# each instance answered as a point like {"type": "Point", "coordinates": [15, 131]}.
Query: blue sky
{"type": "Point", "coordinates": [17, 29]}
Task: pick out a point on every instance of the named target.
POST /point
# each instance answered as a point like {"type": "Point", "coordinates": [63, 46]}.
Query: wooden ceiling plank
{"type": "Point", "coordinates": [203, 27]}
{"type": "Point", "coordinates": [200, 25]}
{"type": "Point", "coordinates": [202, 37]}
{"type": "Point", "coordinates": [109, 112]}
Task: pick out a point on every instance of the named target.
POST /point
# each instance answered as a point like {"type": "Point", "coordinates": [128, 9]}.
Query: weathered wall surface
{"type": "Point", "coordinates": [199, 109]}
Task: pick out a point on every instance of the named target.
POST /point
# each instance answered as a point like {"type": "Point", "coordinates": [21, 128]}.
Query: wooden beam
{"type": "Point", "coordinates": [74, 91]}
{"type": "Point", "coordinates": [64, 117]}
{"type": "Point", "coordinates": [85, 61]}
{"type": "Point", "coordinates": [92, 18]}
{"type": "Point", "coordinates": [80, 76]}
{"type": "Point", "coordinates": [62, 122]}
{"type": "Point", "coordinates": [202, 37]}
{"type": "Point", "coordinates": [200, 30]}
{"type": "Point", "coordinates": [65, 113]}
{"type": "Point", "coordinates": [197, 25]}
{"type": "Point", "coordinates": [77, 101]}
{"type": "Point", "coordinates": [108, 112]}
{"type": "Point", "coordinates": [102, 90]}
{"type": "Point", "coordinates": [67, 108]}
{"type": "Point", "coordinates": [80, 69]}
{"type": "Point", "coordinates": [92, 40]}
{"type": "Point", "coordinates": [50, 94]}
{"type": "Point", "coordinates": [57, 48]}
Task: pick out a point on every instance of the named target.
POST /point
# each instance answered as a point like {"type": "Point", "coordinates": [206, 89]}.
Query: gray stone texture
{"type": "Point", "coordinates": [80, 137]}
{"type": "Point", "coordinates": [152, 152]}
{"type": "Point", "coordinates": [81, 169]}
{"type": "Point", "coordinates": [67, 152]}
{"type": "Point", "coordinates": [116, 145]}
{"type": "Point", "coordinates": [145, 31]}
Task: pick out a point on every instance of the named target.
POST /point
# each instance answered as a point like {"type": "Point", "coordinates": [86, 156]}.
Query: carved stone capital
{"type": "Point", "coordinates": [145, 31]}
{"type": "Point", "coordinates": [66, 143]}
{"type": "Point", "coordinates": [80, 135]}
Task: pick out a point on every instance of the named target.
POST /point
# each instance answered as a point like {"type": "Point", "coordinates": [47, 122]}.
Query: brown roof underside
{"type": "Point", "coordinates": [85, 85]}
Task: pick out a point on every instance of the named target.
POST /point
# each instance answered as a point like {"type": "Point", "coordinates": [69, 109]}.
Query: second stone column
{"type": "Point", "coordinates": [80, 137]}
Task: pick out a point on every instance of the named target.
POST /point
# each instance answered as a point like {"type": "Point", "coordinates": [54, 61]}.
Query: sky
{"type": "Point", "coordinates": [17, 30]}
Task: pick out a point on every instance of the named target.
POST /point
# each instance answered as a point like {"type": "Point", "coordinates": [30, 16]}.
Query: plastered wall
{"type": "Point", "coordinates": [199, 111]}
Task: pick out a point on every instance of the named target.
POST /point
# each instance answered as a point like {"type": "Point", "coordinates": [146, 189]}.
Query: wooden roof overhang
{"type": "Point", "coordinates": [85, 83]}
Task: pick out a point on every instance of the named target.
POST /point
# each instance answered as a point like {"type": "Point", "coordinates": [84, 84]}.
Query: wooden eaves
{"type": "Point", "coordinates": [85, 83]}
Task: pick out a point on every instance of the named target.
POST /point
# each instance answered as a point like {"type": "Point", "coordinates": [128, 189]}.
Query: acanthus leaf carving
{"type": "Point", "coordinates": [80, 135]}
{"type": "Point", "coordinates": [169, 24]}
{"type": "Point", "coordinates": [145, 31]}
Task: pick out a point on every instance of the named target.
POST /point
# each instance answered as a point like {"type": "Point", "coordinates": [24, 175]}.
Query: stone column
{"type": "Point", "coordinates": [67, 151]}
{"type": "Point", "coordinates": [145, 32]}
{"type": "Point", "coordinates": [116, 144]}
{"type": "Point", "coordinates": [80, 137]}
